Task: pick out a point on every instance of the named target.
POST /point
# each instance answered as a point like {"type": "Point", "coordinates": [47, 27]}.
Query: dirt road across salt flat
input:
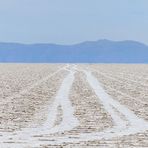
{"type": "Point", "coordinates": [73, 105]}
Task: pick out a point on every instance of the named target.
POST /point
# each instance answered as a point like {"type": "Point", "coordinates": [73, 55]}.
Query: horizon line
{"type": "Point", "coordinates": [49, 43]}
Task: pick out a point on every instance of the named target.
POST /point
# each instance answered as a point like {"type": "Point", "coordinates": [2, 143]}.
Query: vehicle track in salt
{"type": "Point", "coordinates": [123, 78]}
{"type": "Point", "coordinates": [125, 122]}
{"type": "Point", "coordinates": [119, 81]}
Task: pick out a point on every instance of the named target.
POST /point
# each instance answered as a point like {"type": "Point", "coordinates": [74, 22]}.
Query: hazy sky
{"type": "Point", "coordinates": [72, 21]}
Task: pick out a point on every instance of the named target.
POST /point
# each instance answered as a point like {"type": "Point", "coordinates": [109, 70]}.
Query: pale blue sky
{"type": "Point", "coordinates": [73, 21]}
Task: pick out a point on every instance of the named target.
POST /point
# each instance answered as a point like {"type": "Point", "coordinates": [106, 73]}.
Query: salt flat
{"type": "Point", "coordinates": [73, 105]}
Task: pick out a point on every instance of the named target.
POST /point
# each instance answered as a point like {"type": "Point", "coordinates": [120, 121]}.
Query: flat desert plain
{"type": "Point", "coordinates": [73, 105]}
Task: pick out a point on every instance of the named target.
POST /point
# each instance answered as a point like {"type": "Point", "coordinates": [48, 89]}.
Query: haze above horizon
{"type": "Point", "coordinates": [70, 22]}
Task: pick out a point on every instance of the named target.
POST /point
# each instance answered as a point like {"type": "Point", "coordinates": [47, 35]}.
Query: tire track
{"type": "Point", "coordinates": [15, 95]}
{"type": "Point", "coordinates": [122, 93]}
{"type": "Point", "coordinates": [32, 136]}
{"type": "Point", "coordinates": [126, 79]}
{"type": "Point", "coordinates": [131, 124]}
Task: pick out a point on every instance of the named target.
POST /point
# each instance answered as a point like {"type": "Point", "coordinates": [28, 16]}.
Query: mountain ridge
{"type": "Point", "coordinates": [100, 51]}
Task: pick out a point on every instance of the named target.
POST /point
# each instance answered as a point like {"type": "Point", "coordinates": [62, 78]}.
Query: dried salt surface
{"type": "Point", "coordinates": [122, 129]}
{"type": "Point", "coordinates": [89, 111]}
{"type": "Point", "coordinates": [68, 119]}
{"type": "Point", "coordinates": [127, 85]}
{"type": "Point", "coordinates": [131, 125]}
{"type": "Point", "coordinates": [59, 115]}
{"type": "Point", "coordinates": [26, 108]}
{"type": "Point", "coordinates": [17, 111]}
{"type": "Point", "coordinates": [127, 72]}
{"type": "Point", "coordinates": [130, 96]}
{"type": "Point", "coordinates": [15, 77]}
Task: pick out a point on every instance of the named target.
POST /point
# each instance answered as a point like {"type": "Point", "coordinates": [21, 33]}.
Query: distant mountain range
{"type": "Point", "coordinates": [101, 51]}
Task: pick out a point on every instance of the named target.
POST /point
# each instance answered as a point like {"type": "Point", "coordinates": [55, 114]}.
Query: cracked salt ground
{"type": "Point", "coordinates": [80, 114]}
